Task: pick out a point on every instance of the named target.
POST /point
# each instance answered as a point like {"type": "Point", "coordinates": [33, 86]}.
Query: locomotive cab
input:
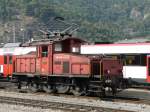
{"type": "Point", "coordinates": [68, 45]}
{"type": "Point", "coordinates": [44, 59]}
{"type": "Point", "coordinates": [105, 73]}
{"type": "Point", "coordinates": [46, 51]}
{"type": "Point", "coordinates": [106, 67]}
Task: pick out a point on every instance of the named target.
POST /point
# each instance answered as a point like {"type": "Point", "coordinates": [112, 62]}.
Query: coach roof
{"type": "Point", "coordinates": [10, 45]}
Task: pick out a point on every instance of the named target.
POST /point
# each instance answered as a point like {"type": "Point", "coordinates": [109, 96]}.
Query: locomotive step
{"type": "Point", "coordinates": [96, 81]}
{"type": "Point", "coordinates": [94, 91]}
{"type": "Point", "coordinates": [96, 76]}
{"type": "Point", "coordinates": [64, 84]}
{"type": "Point", "coordinates": [95, 86]}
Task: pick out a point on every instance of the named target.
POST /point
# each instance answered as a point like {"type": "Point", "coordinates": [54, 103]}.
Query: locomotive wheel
{"type": "Point", "coordinates": [33, 87]}
{"type": "Point", "coordinates": [62, 88]}
{"type": "Point", "coordinates": [77, 91]}
{"type": "Point", "coordinates": [48, 88]}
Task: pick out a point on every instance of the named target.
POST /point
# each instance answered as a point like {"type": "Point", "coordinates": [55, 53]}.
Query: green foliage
{"type": "Point", "coordinates": [99, 20]}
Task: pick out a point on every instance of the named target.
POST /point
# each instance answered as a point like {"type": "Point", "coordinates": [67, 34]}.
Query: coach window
{"type": "Point", "coordinates": [44, 51]}
{"type": "Point", "coordinates": [131, 60]}
{"type": "Point", "coordinates": [5, 59]}
{"type": "Point", "coordinates": [135, 60]}
{"type": "Point", "coordinates": [10, 59]}
{"type": "Point", "coordinates": [143, 59]}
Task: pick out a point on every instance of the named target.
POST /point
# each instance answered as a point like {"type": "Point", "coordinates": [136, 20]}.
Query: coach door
{"type": "Point", "coordinates": [8, 67]}
{"type": "Point", "coordinates": [148, 69]}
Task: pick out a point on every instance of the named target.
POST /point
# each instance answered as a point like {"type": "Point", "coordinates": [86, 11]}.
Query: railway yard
{"type": "Point", "coordinates": [130, 100]}
{"type": "Point", "coordinates": [73, 64]}
{"type": "Point", "coordinates": [55, 76]}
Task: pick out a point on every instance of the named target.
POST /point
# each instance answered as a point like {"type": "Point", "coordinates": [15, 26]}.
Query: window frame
{"type": "Point", "coordinates": [44, 51]}
{"type": "Point", "coordinates": [5, 59]}
{"type": "Point", "coordinates": [10, 59]}
{"type": "Point", "coordinates": [58, 47]}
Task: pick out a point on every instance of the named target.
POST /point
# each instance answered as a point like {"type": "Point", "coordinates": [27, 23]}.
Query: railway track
{"type": "Point", "coordinates": [122, 98]}
{"type": "Point", "coordinates": [141, 87]}
{"type": "Point", "coordinates": [119, 98]}
{"type": "Point", "coordinates": [68, 103]}
{"type": "Point", "coordinates": [54, 105]}
{"type": "Point", "coordinates": [61, 101]}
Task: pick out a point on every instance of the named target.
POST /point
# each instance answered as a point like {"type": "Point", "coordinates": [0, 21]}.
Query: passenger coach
{"type": "Point", "coordinates": [134, 55]}
{"type": "Point", "coordinates": [8, 55]}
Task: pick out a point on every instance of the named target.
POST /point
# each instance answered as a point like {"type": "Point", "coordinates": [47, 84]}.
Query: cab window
{"type": "Point", "coordinates": [58, 47]}
{"type": "Point", "coordinates": [44, 51]}
{"type": "Point", "coordinates": [10, 59]}
{"type": "Point", "coordinates": [75, 49]}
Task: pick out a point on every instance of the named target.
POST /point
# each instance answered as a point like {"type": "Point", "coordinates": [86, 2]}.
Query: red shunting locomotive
{"type": "Point", "coordinates": [58, 66]}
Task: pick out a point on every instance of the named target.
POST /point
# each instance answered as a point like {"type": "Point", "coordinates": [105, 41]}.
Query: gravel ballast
{"type": "Point", "coordinates": [87, 102]}
{"type": "Point", "coordinates": [19, 108]}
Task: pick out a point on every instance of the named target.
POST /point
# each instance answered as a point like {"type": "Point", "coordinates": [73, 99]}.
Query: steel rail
{"type": "Point", "coordinates": [54, 105]}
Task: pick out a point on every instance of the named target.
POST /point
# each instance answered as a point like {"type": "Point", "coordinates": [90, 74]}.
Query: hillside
{"type": "Point", "coordinates": [98, 20]}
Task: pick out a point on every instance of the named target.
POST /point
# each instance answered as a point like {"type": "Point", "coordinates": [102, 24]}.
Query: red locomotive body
{"type": "Point", "coordinates": [75, 65]}
{"type": "Point", "coordinates": [25, 64]}
{"type": "Point", "coordinates": [112, 67]}
{"type": "Point", "coordinates": [59, 67]}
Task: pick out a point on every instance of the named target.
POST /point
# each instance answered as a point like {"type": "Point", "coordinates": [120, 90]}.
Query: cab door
{"type": "Point", "coordinates": [148, 69]}
{"type": "Point", "coordinates": [44, 61]}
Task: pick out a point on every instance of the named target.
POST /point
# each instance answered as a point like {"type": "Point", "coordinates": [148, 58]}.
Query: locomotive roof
{"type": "Point", "coordinates": [53, 40]}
